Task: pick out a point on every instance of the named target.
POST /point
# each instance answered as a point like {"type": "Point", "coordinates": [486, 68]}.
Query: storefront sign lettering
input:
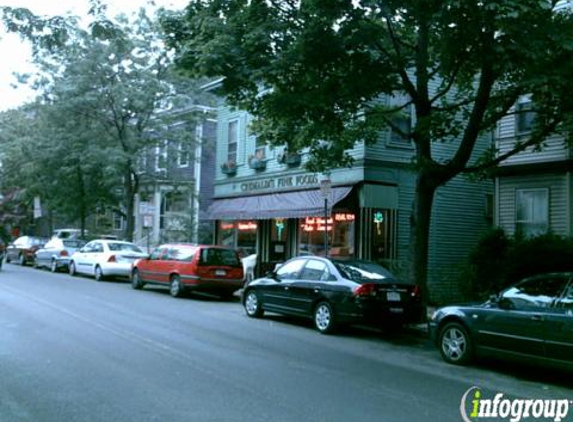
{"type": "Point", "coordinates": [280, 183]}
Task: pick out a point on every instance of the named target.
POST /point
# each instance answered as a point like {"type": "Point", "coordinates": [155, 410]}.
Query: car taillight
{"type": "Point", "coordinates": [64, 253]}
{"type": "Point", "coordinates": [365, 290]}
{"type": "Point", "coordinates": [416, 291]}
{"type": "Point", "coordinates": [111, 259]}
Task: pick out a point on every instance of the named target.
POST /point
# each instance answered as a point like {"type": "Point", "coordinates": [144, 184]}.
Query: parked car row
{"type": "Point", "coordinates": [532, 319]}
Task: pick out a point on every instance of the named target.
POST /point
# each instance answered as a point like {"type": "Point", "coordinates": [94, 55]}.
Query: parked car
{"type": "Point", "coordinates": [182, 267]}
{"type": "Point", "coordinates": [23, 249]}
{"type": "Point", "coordinates": [103, 258]}
{"type": "Point", "coordinates": [56, 254]}
{"type": "Point", "coordinates": [532, 319]}
{"type": "Point", "coordinates": [2, 252]}
{"type": "Point", "coordinates": [334, 292]}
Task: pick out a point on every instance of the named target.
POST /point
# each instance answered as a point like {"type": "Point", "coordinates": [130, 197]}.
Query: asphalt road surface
{"type": "Point", "coordinates": [73, 349]}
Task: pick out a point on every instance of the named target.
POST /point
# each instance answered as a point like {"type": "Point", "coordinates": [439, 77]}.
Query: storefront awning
{"type": "Point", "coordinates": [308, 203]}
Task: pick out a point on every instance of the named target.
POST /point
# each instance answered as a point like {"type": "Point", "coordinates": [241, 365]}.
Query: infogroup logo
{"type": "Point", "coordinates": [474, 407]}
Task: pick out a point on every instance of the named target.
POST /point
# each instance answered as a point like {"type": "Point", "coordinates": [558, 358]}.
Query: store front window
{"type": "Point", "coordinates": [341, 231]}
{"type": "Point", "coordinates": [240, 235]}
{"type": "Point", "coordinates": [382, 234]}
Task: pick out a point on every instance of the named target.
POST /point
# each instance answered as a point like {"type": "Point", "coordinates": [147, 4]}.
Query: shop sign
{"type": "Point", "coordinates": [247, 226]}
{"type": "Point", "coordinates": [340, 216]}
{"type": "Point", "coordinates": [316, 224]}
{"type": "Point", "coordinates": [285, 182]}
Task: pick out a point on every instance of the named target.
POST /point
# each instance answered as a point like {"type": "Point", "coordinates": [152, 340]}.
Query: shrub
{"type": "Point", "coordinates": [499, 261]}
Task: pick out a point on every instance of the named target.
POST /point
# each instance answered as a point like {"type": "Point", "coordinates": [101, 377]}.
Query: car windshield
{"type": "Point", "coordinates": [128, 247]}
{"type": "Point", "coordinates": [362, 271]}
{"type": "Point", "coordinates": [216, 256]}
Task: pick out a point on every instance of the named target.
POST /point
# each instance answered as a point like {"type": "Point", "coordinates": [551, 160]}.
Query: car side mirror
{"type": "Point", "coordinates": [505, 303]}
{"type": "Point", "coordinates": [271, 274]}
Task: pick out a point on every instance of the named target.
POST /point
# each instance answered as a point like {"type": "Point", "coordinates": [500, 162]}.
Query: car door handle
{"type": "Point", "coordinates": [537, 318]}
{"type": "Point", "coordinates": [286, 287]}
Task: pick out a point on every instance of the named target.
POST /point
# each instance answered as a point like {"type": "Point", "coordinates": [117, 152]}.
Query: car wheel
{"type": "Point", "coordinates": [176, 288]}
{"type": "Point", "coordinates": [21, 260]}
{"type": "Point", "coordinates": [252, 305]}
{"type": "Point", "coordinates": [98, 274]}
{"type": "Point", "coordinates": [136, 282]}
{"type": "Point", "coordinates": [53, 266]}
{"type": "Point", "coordinates": [455, 344]}
{"type": "Point", "coordinates": [324, 318]}
{"type": "Point", "coordinates": [72, 268]}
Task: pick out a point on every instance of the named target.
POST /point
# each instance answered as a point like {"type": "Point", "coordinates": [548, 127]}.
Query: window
{"type": "Point", "coordinates": [118, 221]}
{"type": "Point", "coordinates": [535, 293]}
{"type": "Point", "coordinates": [161, 156]}
{"type": "Point", "coordinates": [158, 253]}
{"type": "Point", "coordinates": [127, 247]}
{"type": "Point", "coordinates": [315, 270]}
{"type": "Point", "coordinates": [240, 235]}
{"type": "Point", "coordinates": [566, 301]}
{"type": "Point", "coordinates": [341, 232]}
{"type": "Point", "coordinates": [532, 212]}
{"type": "Point", "coordinates": [233, 141]}
{"type": "Point", "coordinates": [290, 270]}
{"type": "Point", "coordinates": [216, 256]}
{"type": "Point", "coordinates": [183, 154]}
{"type": "Point", "coordinates": [401, 128]}
{"type": "Point", "coordinates": [525, 117]}
{"type": "Point", "coordinates": [382, 233]}
{"type": "Point", "coordinates": [182, 254]}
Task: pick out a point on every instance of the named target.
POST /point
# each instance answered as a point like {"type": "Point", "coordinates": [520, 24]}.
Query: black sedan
{"type": "Point", "coordinates": [333, 292]}
{"type": "Point", "coordinates": [532, 319]}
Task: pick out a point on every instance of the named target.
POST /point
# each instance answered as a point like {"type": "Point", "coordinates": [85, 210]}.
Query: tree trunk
{"type": "Point", "coordinates": [83, 205]}
{"type": "Point", "coordinates": [420, 219]}
{"type": "Point", "coordinates": [131, 188]}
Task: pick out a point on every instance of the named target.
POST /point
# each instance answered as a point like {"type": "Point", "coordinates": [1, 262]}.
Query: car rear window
{"type": "Point", "coordinates": [123, 247]}
{"type": "Point", "coordinates": [73, 243]}
{"type": "Point", "coordinates": [216, 256]}
{"type": "Point", "coordinates": [363, 271]}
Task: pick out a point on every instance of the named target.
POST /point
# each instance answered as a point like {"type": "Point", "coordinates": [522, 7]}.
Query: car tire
{"type": "Point", "coordinates": [136, 282]}
{"type": "Point", "coordinates": [323, 318]}
{"type": "Point", "coordinates": [455, 344]}
{"type": "Point", "coordinates": [22, 260]}
{"type": "Point", "coordinates": [53, 266]}
{"type": "Point", "coordinates": [98, 274]}
{"type": "Point", "coordinates": [176, 288]}
{"type": "Point", "coordinates": [72, 268]}
{"type": "Point", "coordinates": [252, 305]}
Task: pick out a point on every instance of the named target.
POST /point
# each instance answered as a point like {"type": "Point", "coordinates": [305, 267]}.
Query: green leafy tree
{"type": "Point", "coordinates": [108, 88]}
{"type": "Point", "coordinates": [315, 72]}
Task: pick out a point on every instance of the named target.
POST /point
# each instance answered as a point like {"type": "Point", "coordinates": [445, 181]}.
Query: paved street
{"type": "Point", "coordinates": [73, 349]}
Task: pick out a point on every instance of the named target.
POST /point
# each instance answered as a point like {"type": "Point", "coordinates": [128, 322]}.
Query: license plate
{"type": "Point", "coordinates": [393, 297]}
{"type": "Point", "coordinates": [220, 272]}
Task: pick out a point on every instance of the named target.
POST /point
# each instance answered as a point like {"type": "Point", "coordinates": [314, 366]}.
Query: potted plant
{"type": "Point", "coordinates": [229, 168]}
{"type": "Point", "coordinates": [290, 158]}
{"type": "Point", "coordinates": [257, 161]}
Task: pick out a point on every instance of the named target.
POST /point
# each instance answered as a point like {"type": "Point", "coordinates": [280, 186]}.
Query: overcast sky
{"type": "Point", "coordinates": [15, 54]}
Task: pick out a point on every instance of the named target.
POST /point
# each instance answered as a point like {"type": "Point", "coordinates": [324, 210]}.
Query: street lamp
{"type": "Point", "coordinates": [325, 187]}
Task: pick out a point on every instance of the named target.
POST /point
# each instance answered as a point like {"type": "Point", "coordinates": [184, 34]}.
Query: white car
{"type": "Point", "coordinates": [249, 263]}
{"type": "Point", "coordinates": [103, 258]}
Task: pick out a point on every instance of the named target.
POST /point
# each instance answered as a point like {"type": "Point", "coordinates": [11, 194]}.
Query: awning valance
{"type": "Point", "coordinates": [308, 203]}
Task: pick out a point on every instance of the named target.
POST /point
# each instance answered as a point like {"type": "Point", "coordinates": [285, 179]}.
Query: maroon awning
{"type": "Point", "coordinates": [307, 203]}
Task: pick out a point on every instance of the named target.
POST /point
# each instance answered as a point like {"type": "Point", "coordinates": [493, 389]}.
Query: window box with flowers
{"type": "Point", "coordinates": [257, 161]}
{"type": "Point", "coordinates": [229, 168]}
{"type": "Point", "coordinates": [290, 158]}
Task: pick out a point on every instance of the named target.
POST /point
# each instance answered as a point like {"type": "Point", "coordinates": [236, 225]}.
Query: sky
{"type": "Point", "coordinates": [16, 53]}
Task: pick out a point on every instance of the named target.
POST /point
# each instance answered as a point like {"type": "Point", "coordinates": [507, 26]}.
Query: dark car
{"type": "Point", "coordinates": [532, 319]}
{"type": "Point", "coordinates": [56, 254]}
{"type": "Point", "coordinates": [23, 249]}
{"type": "Point", "coordinates": [2, 252]}
{"type": "Point", "coordinates": [333, 292]}
{"type": "Point", "coordinates": [204, 268]}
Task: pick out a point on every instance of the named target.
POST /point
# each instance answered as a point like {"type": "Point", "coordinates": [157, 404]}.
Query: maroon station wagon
{"type": "Point", "coordinates": [204, 268]}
